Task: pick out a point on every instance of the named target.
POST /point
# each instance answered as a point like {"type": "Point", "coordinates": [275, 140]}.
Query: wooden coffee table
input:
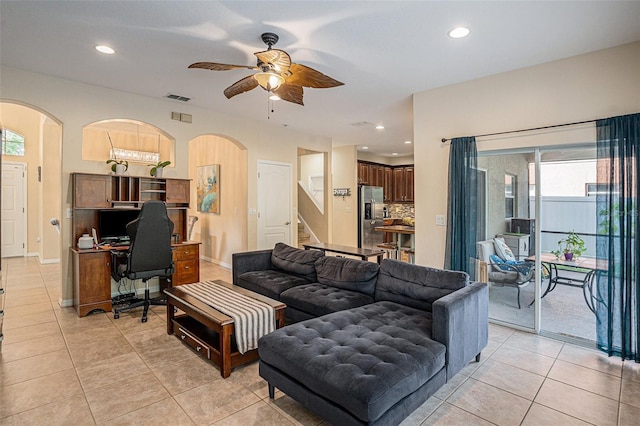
{"type": "Point", "coordinates": [208, 330]}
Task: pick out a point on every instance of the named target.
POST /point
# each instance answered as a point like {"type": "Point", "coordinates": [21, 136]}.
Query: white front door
{"type": "Point", "coordinates": [274, 204]}
{"type": "Point", "coordinates": [13, 210]}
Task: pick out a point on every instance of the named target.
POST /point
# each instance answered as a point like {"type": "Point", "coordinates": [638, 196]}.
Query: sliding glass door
{"type": "Point", "coordinates": [507, 218]}
{"type": "Point", "coordinates": [553, 189]}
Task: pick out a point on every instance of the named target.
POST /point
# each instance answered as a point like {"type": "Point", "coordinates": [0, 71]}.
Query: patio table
{"type": "Point", "coordinates": [588, 266]}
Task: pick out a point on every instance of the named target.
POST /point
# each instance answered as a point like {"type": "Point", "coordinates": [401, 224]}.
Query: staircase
{"type": "Point", "coordinates": [303, 238]}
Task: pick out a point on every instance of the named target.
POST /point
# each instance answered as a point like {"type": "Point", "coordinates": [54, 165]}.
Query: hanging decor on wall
{"type": "Point", "coordinates": [208, 188]}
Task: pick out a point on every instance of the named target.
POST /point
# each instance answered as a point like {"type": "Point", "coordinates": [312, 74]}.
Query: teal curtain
{"type": "Point", "coordinates": [462, 211]}
{"type": "Point", "coordinates": [617, 243]}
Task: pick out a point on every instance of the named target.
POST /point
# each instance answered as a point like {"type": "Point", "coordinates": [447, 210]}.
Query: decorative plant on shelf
{"type": "Point", "coordinates": [572, 245]}
{"type": "Point", "coordinates": [156, 169]}
{"type": "Point", "coordinates": [116, 163]}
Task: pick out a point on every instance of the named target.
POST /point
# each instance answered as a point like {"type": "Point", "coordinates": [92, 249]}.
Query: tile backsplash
{"type": "Point", "coordinates": [401, 210]}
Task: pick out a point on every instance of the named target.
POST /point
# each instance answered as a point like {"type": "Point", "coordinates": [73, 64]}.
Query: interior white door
{"type": "Point", "coordinates": [274, 204]}
{"type": "Point", "coordinates": [13, 211]}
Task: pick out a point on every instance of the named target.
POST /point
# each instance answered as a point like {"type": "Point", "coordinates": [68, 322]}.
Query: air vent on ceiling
{"type": "Point", "coordinates": [177, 97]}
{"type": "Point", "coordinates": [362, 124]}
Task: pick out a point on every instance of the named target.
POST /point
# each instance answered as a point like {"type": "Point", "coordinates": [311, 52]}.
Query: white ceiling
{"type": "Point", "coordinates": [384, 51]}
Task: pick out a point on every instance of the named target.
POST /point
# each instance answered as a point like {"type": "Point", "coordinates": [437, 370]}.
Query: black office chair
{"type": "Point", "coordinates": [149, 255]}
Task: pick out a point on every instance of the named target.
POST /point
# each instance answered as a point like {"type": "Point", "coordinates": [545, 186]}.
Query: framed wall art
{"type": "Point", "coordinates": [208, 187]}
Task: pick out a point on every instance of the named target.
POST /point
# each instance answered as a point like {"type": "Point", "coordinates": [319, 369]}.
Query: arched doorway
{"type": "Point", "coordinates": [43, 177]}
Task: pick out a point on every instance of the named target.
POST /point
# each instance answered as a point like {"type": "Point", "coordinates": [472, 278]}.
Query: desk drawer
{"type": "Point", "coordinates": [186, 252]}
{"type": "Point", "coordinates": [186, 272]}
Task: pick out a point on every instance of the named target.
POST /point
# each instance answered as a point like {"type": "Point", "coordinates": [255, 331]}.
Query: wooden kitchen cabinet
{"type": "Point", "coordinates": [388, 184]}
{"type": "Point", "coordinates": [363, 174]}
{"type": "Point", "coordinates": [403, 184]}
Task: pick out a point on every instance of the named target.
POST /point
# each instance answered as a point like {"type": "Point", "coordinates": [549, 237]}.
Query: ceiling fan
{"type": "Point", "coordinates": [277, 74]}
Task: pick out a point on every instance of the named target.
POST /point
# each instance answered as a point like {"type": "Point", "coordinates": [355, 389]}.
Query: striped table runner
{"type": "Point", "coordinates": [252, 318]}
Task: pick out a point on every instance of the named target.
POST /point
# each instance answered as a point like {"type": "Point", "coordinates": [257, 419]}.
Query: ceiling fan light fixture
{"type": "Point", "coordinates": [269, 81]}
{"type": "Point", "coordinates": [274, 97]}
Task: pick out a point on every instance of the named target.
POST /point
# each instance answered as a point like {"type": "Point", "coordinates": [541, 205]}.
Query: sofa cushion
{"type": "Point", "coordinates": [349, 274]}
{"type": "Point", "coordinates": [319, 299]}
{"type": "Point", "coordinates": [416, 286]}
{"type": "Point", "coordinates": [296, 261]}
{"type": "Point", "coordinates": [364, 359]}
{"type": "Point", "coordinates": [269, 283]}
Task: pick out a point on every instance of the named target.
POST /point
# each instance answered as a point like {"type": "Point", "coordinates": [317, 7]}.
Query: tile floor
{"type": "Point", "coordinates": [56, 368]}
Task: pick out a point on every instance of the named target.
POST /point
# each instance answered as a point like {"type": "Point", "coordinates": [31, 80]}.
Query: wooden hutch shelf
{"type": "Point", "coordinates": [95, 192]}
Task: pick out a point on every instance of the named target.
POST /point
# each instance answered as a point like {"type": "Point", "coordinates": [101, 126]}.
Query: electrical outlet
{"type": "Point", "coordinates": [440, 220]}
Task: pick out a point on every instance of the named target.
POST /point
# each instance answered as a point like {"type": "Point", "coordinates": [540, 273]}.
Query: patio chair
{"type": "Point", "coordinates": [514, 274]}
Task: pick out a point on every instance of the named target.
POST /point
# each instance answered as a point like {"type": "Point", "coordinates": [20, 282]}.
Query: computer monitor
{"type": "Point", "coordinates": [113, 223]}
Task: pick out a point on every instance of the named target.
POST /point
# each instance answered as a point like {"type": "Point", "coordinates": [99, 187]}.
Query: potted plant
{"type": "Point", "coordinates": [571, 246]}
{"type": "Point", "coordinates": [156, 169]}
{"type": "Point", "coordinates": [119, 166]}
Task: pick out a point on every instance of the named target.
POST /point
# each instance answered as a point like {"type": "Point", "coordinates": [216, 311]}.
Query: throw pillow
{"type": "Point", "coordinates": [503, 250]}
{"type": "Point", "coordinates": [521, 266]}
{"type": "Point", "coordinates": [296, 261]}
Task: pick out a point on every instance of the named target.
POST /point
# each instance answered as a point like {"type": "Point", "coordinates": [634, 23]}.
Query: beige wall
{"type": "Point", "coordinates": [225, 233]}
{"type": "Point", "coordinates": [390, 161]}
{"type": "Point", "coordinates": [345, 210]}
{"type": "Point", "coordinates": [51, 190]}
{"type": "Point", "coordinates": [76, 104]}
{"type": "Point", "coordinates": [497, 167]}
{"type": "Point", "coordinates": [596, 85]}
{"type": "Point", "coordinates": [42, 148]}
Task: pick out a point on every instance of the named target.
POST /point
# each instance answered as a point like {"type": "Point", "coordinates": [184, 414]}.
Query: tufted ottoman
{"type": "Point", "coordinates": [373, 364]}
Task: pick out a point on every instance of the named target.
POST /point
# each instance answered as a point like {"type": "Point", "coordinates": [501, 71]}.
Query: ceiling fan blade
{"type": "Point", "coordinates": [280, 59]}
{"type": "Point", "coordinates": [241, 86]}
{"type": "Point", "coordinates": [214, 66]}
{"type": "Point", "coordinates": [308, 77]}
{"type": "Point", "coordinates": [290, 93]}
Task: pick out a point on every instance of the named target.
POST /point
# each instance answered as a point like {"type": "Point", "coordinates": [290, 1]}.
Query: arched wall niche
{"type": "Point", "coordinates": [133, 140]}
{"type": "Point", "coordinates": [226, 232]}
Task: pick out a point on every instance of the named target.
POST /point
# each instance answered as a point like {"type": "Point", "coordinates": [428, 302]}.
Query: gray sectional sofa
{"type": "Point", "coordinates": [368, 343]}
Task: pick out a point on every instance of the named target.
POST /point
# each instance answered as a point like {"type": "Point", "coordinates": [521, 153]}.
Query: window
{"type": "Point", "coordinates": [12, 143]}
{"type": "Point", "coordinates": [509, 196]}
{"type": "Point", "coordinates": [593, 189]}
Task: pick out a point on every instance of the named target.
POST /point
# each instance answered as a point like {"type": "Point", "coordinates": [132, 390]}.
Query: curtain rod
{"type": "Point", "coordinates": [443, 140]}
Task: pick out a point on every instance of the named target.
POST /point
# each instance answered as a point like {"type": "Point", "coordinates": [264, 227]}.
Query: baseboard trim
{"type": "Point", "coordinates": [49, 261]}
{"type": "Point", "coordinates": [216, 261]}
{"type": "Point", "coordinates": [65, 303]}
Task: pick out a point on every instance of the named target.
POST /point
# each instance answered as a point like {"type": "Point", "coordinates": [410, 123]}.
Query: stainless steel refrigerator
{"type": "Point", "coordinates": [370, 214]}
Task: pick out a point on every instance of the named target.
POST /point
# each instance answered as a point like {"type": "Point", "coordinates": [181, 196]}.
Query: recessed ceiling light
{"type": "Point", "coordinates": [365, 147]}
{"type": "Point", "coordinates": [395, 153]}
{"type": "Point", "coordinates": [407, 142]}
{"type": "Point", "coordinates": [105, 49]}
{"type": "Point", "coordinates": [379, 127]}
{"type": "Point", "coordinates": [459, 32]}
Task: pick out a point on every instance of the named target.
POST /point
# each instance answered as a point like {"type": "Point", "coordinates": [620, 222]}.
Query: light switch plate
{"type": "Point", "coordinates": [440, 220]}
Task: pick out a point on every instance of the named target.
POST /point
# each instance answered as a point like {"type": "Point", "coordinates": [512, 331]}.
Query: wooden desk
{"type": "Point", "coordinates": [398, 231]}
{"type": "Point", "coordinates": [209, 331]}
{"type": "Point", "coordinates": [92, 275]}
{"type": "Point", "coordinates": [362, 253]}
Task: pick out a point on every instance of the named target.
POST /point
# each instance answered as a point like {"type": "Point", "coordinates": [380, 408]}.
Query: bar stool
{"type": "Point", "coordinates": [390, 249]}
{"type": "Point", "coordinates": [410, 254]}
